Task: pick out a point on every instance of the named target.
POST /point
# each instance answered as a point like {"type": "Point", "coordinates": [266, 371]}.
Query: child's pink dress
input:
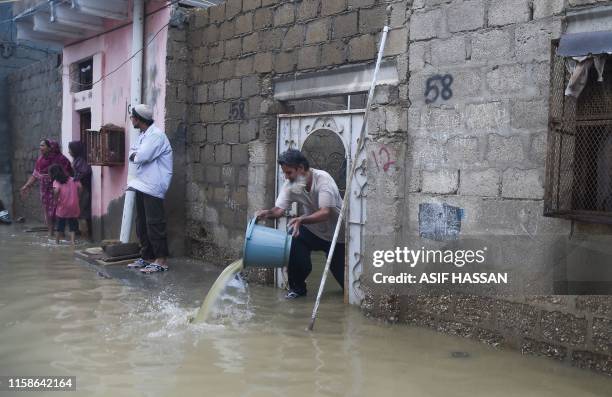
{"type": "Point", "coordinates": [68, 199]}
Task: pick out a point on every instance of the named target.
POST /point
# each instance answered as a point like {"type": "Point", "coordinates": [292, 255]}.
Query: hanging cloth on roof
{"type": "Point", "coordinates": [600, 63]}
{"type": "Point", "coordinates": [579, 69]}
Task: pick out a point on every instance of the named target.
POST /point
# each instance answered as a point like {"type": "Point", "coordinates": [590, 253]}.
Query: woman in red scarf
{"type": "Point", "coordinates": [50, 154]}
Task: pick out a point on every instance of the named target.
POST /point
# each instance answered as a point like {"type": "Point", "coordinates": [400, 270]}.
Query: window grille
{"type": "Point", "coordinates": [579, 157]}
{"type": "Point", "coordinates": [81, 75]}
{"type": "Point", "coordinates": [107, 146]}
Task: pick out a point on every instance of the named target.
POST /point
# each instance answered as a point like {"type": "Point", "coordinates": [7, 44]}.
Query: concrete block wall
{"type": "Point", "coordinates": [477, 141]}
{"type": "Point", "coordinates": [236, 49]}
{"type": "Point", "coordinates": [466, 126]}
{"type": "Point", "coordinates": [35, 113]}
{"type": "Point", "coordinates": [177, 81]}
{"type": "Point", "coordinates": [15, 56]}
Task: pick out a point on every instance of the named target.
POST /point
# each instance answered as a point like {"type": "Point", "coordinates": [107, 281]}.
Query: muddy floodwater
{"type": "Point", "coordinates": [128, 335]}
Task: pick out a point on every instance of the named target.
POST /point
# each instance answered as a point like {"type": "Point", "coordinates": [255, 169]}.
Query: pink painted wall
{"type": "Point", "coordinates": [110, 98]}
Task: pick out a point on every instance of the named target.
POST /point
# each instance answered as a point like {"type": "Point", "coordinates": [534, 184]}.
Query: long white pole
{"type": "Point", "coordinates": [136, 98]}
{"type": "Point", "coordinates": [360, 145]}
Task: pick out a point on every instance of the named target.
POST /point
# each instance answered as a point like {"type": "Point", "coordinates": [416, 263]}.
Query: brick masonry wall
{"type": "Point", "coordinates": [14, 57]}
{"type": "Point", "coordinates": [177, 61]}
{"type": "Point", "coordinates": [481, 147]}
{"type": "Point", "coordinates": [236, 50]}
{"type": "Point", "coordinates": [35, 113]}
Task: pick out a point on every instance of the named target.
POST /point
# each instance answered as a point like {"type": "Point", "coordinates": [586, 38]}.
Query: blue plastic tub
{"type": "Point", "coordinates": [265, 247]}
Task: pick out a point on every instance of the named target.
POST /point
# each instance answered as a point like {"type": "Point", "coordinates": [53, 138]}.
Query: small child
{"type": "Point", "coordinates": [66, 191]}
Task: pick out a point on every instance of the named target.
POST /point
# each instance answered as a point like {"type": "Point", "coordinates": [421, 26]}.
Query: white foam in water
{"type": "Point", "coordinates": [233, 305]}
{"type": "Point", "coordinates": [213, 306]}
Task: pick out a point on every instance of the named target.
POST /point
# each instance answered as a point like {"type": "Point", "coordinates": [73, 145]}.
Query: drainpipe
{"type": "Point", "coordinates": [136, 98]}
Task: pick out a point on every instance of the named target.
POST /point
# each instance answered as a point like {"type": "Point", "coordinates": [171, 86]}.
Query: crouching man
{"type": "Point", "coordinates": [318, 194]}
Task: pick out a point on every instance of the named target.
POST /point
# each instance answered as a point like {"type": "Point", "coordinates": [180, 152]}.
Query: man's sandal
{"type": "Point", "coordinates": [153, 268]}
{"type": "Point", "coordinates": [138, 264]}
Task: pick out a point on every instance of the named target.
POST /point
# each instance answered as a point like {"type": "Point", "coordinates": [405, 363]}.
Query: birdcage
{"type": "Point", "coordinates": [107, 146]}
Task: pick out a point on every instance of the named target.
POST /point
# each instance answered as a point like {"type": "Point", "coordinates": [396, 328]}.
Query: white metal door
{"type": "Point", "coordinates": [293, 130]}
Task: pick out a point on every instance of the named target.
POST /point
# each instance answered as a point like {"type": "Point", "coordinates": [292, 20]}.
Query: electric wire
{"type": "Point", "coordinates": [122, 63]}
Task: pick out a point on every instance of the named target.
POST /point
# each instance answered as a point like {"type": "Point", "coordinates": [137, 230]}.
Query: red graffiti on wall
{"type": "Point", "coordinates": [385, 159]}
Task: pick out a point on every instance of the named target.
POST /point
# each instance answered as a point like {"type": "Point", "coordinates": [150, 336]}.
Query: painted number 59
{"type": "Point", "coordinates": [438, 86]}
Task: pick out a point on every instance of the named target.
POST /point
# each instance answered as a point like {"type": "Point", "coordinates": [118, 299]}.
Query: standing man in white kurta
{"type": "Point", "coordinates": [152, 155]}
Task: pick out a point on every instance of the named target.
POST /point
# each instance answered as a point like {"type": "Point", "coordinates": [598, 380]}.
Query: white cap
{"type": "Point", "coordinates": [143, 111]}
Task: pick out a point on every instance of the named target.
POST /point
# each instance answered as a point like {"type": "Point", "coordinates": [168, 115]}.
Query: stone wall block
{"type": "Point", "coordinates": [532, 115]}
{"type": "Point", "coordinates": [505, 149]}
{"type": "Point", "coordinates": [232, 8]}
{"type": "Point", "coordinates": [248, 5]}
{"type": "Point", "coordinates": [344, 25]}
{"type": "Point", "coordinates": [285, 61]}
{"type": "Point", "coordinates": [217, 13]}
{"type": "Point", "coordinates": [244, 23]}
{"type": "Point", "coordinates": [214, 133]}
{"type": "Point", "coordinates": [262, 18]}
{"type": "Point", "coordinates": [317, 31]}
{"type": "Point", "coordinates": [466, 15]}
{"type": "Point", "coordinates": [490, 116]}
{"type": "Point", "coordinates": [308, 57]}
{"type": "Point", "coordinates": [244, 66]}
{"type": "Point", "coordinates": [249, 131]}
{"type": "Point", "coordinates": [308, 9]}
{"type": "Point", "coordinates": [227, 30]}
{"type": "Point", "coordinates": [463, 152]}
{"type": "Point", "coordinates": [329, 7]}
{"type": "Point", "coordinates": [545, 8]}
{"type": "Point", "coordinates": [250, 86]}
{"type": "Point", "coordinates": [397, 42]}
{"type": "Point", "coordinates": [250, 43]}
{"type": "Point", "coordinates": [284, 14]}
{"type": "Point", "coordinates": [333, 54]}
{"type": "Point", "coordinates": [491, 45]}
{"type": "Point", "coordinates": [294, 37]}
{"type": "Point", "coordinates": [564, 328]}
{"type": "Point", "coordinates": [526, 184]}
{"type": "Point", "coordinates": [504, 12]}
{"type": "Point", "coordinates": [448, 51]}
{"type": "Point", "coordinates": [231, 89]}
{"type": "Point", "coordinates": [240, 154]}
{"type": "Point", "coordinates": [533, 40]}
{"type": "Point", "coordinates": [233, 48]}
{"type": "Point", "coordinates": [272, 39]}
{"type": "Point", "coordinates": [440, 181]}
{"type": "Point", "coordinates": [362, 48]}
{"type": "Point", "coordinates": [372, 20]}
{"type": "Point", "coordinates": [480, 183]}
{"type": "Point", "coordinates": [262, 62]}
{"type": "Point", "coordinates": [231, 133]}
{"type": "Point", "coordinates": [223, 154]}
{"type": "Point", "coordinates": [426, 24]}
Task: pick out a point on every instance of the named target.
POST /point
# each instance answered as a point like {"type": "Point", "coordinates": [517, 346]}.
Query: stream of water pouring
{"type": "Point", "coordinates": [217, 288]}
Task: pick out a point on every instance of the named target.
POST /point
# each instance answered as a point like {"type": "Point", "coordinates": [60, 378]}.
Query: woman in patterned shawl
{"type": "Point", "coordinates": [49, 154]}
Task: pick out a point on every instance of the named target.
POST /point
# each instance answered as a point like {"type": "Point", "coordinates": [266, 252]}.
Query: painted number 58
{"type": "Point", "coordinates": [438, 86]}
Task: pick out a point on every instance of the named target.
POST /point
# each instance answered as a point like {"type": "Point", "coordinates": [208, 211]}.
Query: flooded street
{"type": "Point", "coordinates": [129, 335]}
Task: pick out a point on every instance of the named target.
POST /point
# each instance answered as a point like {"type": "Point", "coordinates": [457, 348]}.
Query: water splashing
{"type": "Point", "coordinates": [228, 278]}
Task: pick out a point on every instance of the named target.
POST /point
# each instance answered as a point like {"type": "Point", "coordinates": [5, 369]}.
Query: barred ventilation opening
{"type": "Point", "coordinates": [579, 157]}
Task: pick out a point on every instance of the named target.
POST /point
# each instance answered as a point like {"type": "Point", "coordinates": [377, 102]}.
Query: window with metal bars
{"type": "Point", "coordinates": [579, 157]}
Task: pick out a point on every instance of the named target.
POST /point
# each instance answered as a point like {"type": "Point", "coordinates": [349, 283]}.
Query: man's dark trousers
{"type": "Point", "coordinates": [300, 264]}
{"type": "Point", "coordinates": [151, 226]}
